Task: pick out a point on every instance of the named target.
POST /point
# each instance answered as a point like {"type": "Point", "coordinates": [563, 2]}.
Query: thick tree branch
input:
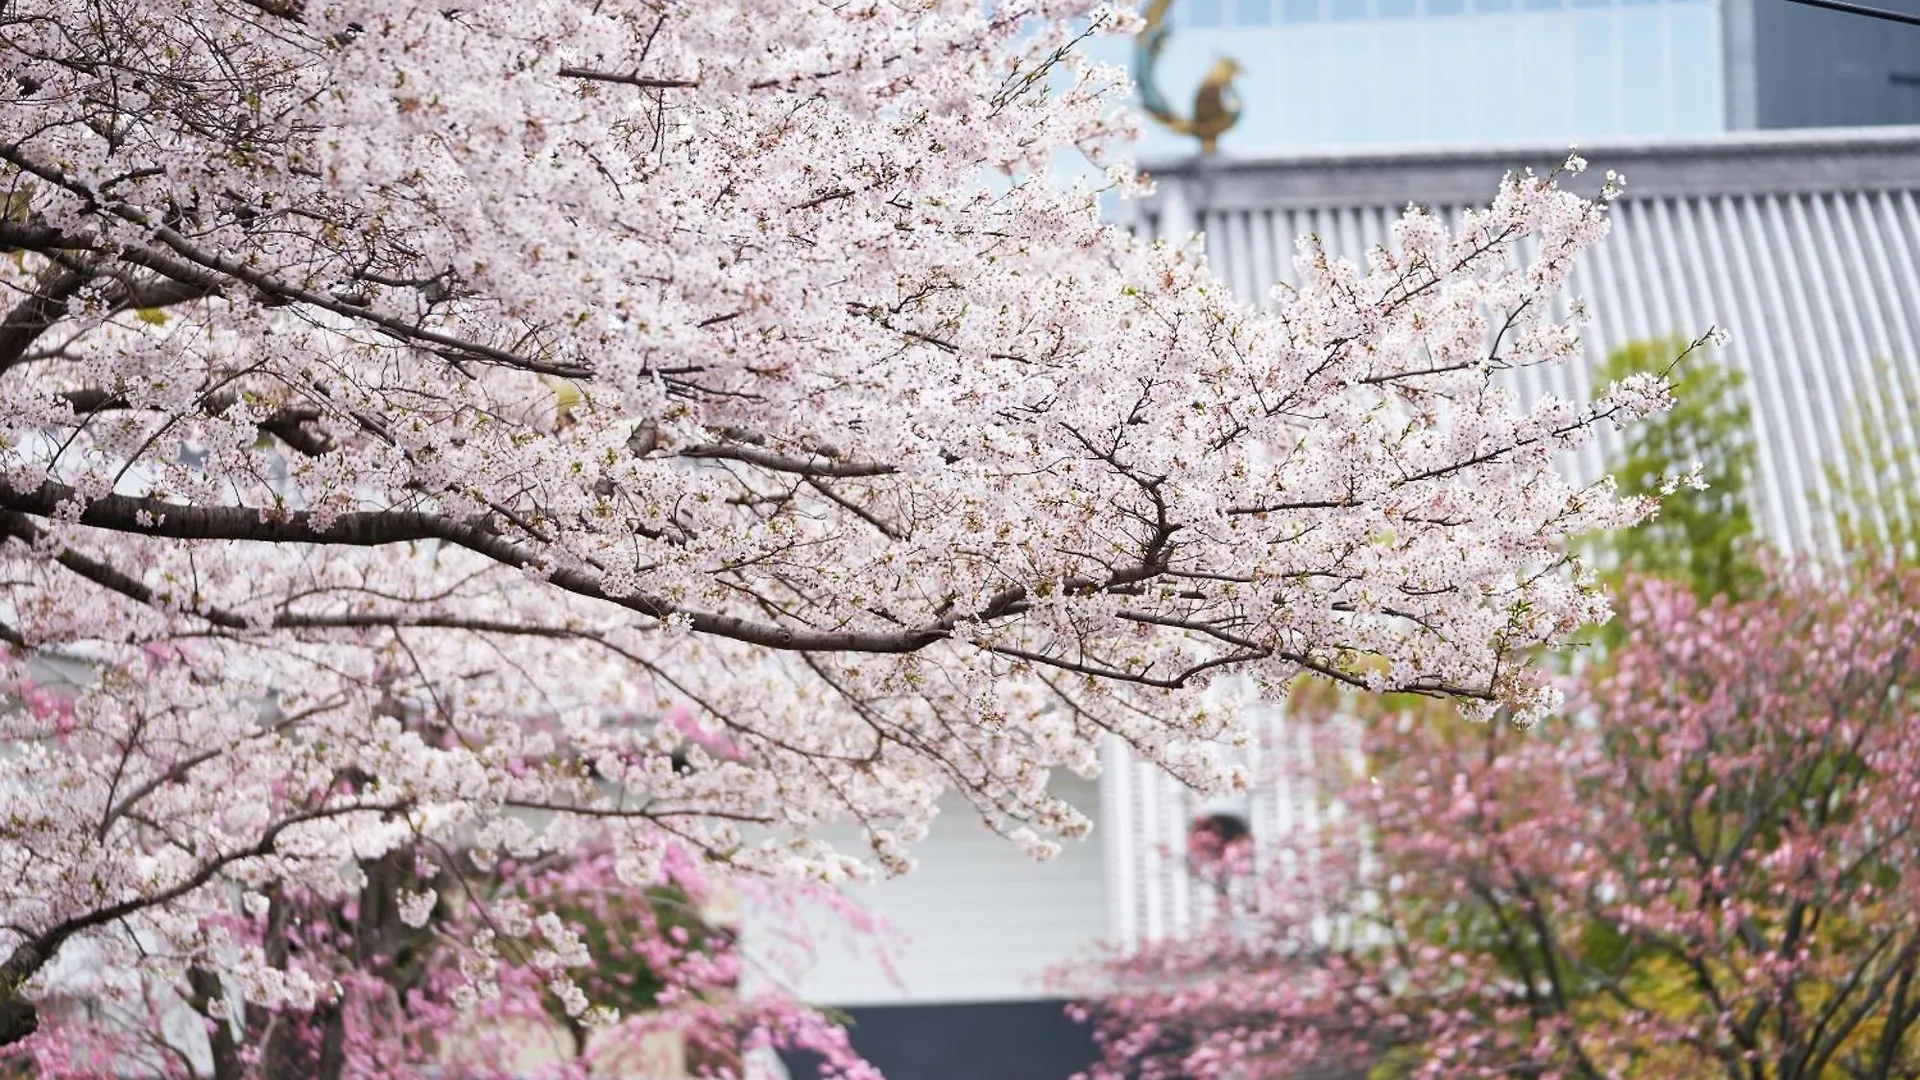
{"type": "Point", "coordinates": [817, 465]}
{"type": "Point", "coordinates": [205, 990]}
{"type": "Point", "coordinates": [157, 518]}
{"type": "Point", "coordinates": [37, 314]}
{"type": "Point", "coordinates": [33, 236]}
{"type": "Point", "coordinates": [643, 81]}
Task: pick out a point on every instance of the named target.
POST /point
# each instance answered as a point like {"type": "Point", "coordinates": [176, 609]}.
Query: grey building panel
{"type": "Point", "coordinates": [1741, 80]}
{"type": "Point", "coordinates": [1899, 317]}
{"type": "Point", "coordinates": [999, 1040]}
{"type": "Point", "coordinates": [1817, 68]}
{"type": "Point", "coordinates": [1804, 245]}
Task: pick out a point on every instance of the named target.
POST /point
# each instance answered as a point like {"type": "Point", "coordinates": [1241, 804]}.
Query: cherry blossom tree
{"type": "Point", "coordinates": [402, 407]}
{"type": "Point", "coordinates": [1716, 880]}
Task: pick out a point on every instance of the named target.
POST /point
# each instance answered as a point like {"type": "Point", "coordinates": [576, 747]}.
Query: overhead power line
{"type": "Point", "coordinates": [1862, 9]}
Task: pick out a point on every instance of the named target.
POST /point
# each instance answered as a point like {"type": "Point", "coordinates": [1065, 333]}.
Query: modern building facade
{"type": "Point", "coordinates": [1325, 73]}
{"type": "Point", "coordinates": [1806, 245]}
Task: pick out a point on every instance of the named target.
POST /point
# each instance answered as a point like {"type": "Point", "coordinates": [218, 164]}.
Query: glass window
{"type": "Point", "coordinates": [1493, 5]}
{"type": "Point", "coordinates": [1591, 3]}
{"type": "Point", "coordinates": [1203, 13]}
{"type": "Point", "coordinates": [1642, 41]}
{"type": "Point", "coordinates": [1543, 5]}
{"type": "Point", "coordinates": [1695, 92]}
{"type": "Point", "coordinates": [1446, 7]}
{"type": "Point", "coordinates": [1349, 9]}
{"type": "Point", "coordinates": [1400, 75]}
{"type": "Point", "coordinates": [1595, 75]}
{"type": "Point", "coordinates": [1300, 10]}
{"type": "Point", "coordinates": [1252, 12]}
{"type": "Point", "coordinates": [1394, 9]}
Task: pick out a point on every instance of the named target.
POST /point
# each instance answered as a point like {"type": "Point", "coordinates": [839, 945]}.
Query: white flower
{"type": "Point", "coordinates": [417, 907]}
{"type": "Point", "coordinates": [572, 998]}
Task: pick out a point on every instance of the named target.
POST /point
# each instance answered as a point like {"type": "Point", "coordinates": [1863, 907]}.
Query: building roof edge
{"type": "Point", "coordinates": [1732, 163]}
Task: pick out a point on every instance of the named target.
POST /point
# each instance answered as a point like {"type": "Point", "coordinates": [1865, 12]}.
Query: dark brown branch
{"type": "Point", "coordinates": [159, 294]}
{"type": "Point", "coordinates": [291, 10]}
{"type": "Point", "coordinates": [287, 425]}
{"type": "Point", "coordinates": [1304, 504]}
{"type": "Point", "coordinates": [825, 198]}
{"type": "Point", "coordinates": [197, 269]}
{"type": "Point", "coordinates": [813, 465]}
{"type": "Point", "coordinates": [644, 81]}
{"type": "Point", "coordinates": [199, 262]}
{"type": "Point", "coordinates": [32, 236]}
{"type": "Point", "coordinates": [157, 518]}
{"type": "Point", "coordinates": [37, 314]}
{"type": "Point", "coordinates": [206, 990]}
{"type": "Point", "coordinates": [161, 519]}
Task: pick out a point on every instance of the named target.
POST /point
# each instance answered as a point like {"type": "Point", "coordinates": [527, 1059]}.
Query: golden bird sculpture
{"type": "Point", "coordinates": [1216, 108]}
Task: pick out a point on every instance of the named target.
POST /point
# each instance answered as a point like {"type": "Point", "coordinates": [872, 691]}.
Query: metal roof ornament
{"type": "Point", "coordinates": [1216, 108]}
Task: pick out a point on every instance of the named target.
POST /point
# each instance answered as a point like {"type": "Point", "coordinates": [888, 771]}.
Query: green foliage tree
{"type": "Point", "coordinates": [1702, 536]}
{"type": "Point", "coordinates": [1873, 490]}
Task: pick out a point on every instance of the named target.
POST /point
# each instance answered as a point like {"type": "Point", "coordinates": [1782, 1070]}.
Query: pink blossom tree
{"type": "Point", "coordinates": [1718, 879]}
{"type": "Point", "coordinates": [396, 400]}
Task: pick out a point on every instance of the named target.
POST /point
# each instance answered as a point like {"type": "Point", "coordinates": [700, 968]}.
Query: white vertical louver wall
{"type": "Point", "coordinates": [1805, 245]}
{"type": "Point", "coordinates": [1145, 813]}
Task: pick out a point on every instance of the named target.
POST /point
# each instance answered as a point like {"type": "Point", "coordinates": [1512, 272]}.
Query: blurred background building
{"type": "Point", "coordinates": [1323, 73]}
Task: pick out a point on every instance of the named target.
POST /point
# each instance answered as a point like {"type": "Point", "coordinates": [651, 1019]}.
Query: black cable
{"type": "Point", "coordinates": [1861, 9]}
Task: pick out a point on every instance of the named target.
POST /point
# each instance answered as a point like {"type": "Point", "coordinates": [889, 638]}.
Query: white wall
{"type": "Point", "coordinates": [978, 919]}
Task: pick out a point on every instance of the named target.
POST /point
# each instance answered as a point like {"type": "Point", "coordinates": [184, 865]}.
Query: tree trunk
{"type": "Point", "coordinates": [18, 1018]}
{"type": "Point", "coordinates": [226, 1052]}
